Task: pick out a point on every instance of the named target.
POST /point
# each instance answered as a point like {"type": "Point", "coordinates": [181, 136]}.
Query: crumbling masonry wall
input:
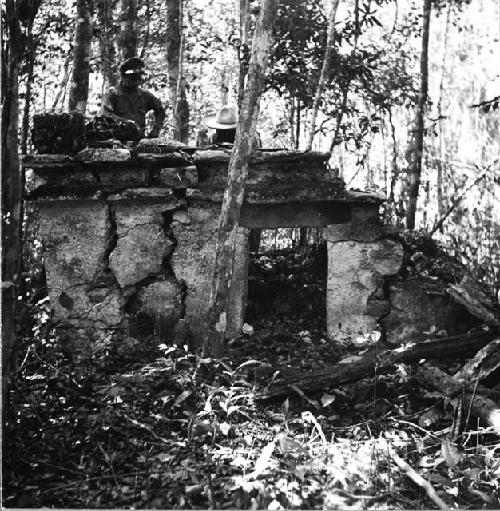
{"type": "Point", "coordinates": [130, 238]}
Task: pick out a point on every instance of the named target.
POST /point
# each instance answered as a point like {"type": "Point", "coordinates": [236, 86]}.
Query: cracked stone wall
{"type": "Point", "coordinates": [140, 264]}
{"type": "Point", "coordinates": [76, 243]}
{"type": "Point", "coordinates": [193, 262]}
{"type": "Point", "coordinates": [359, 259]}
{"type": "Point", "coordinates": [137, 265]}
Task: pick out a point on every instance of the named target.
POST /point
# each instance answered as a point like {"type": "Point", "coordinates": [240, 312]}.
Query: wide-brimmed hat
{"type": "Point", "coordinates": [132, 66]}
{"type": "Point", "coordinates": [226, 118]}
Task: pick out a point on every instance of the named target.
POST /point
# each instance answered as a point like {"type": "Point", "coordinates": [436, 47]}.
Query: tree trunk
{"type": "Point", "coordinates": [173, 50]}
{"type": "Point", "coordinates": [181, 108]}
{"type": "Point", "coordinates": [441, 153]}
{"type": "Point", "coordinates": [148, 29]}
{"type": "Point", "coordinates": [181, 126]}
{"type": "Point", "coordinates": [297, 124]}
{"type": "Point", "coordinates": [324, 72]}
{"type": "Point", "coordinates": [237, 173]}
{"type": "Point", "coordinates": [243, 50]}
{"type": "Point", "coordinates": [394, 159]}
{"type": "Point", "coordinates": [62, 88]}
{"type": "Point", "coordinates": [30, 57]}
{"type": "Point", "coordinates": [106, 47]}
{"type": "Point", "coordinates": [415, 169]}
{"type": "Point", "coordinates": [79, 91]}
{"type": "Point", "coordinates": [13, 46]}
{"type": "Point", "coordinates": [128, 29]}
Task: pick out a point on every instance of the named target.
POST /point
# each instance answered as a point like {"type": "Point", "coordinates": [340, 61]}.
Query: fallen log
{"type": "Point", "coordinates": [372, 363]}
{"type": "Point", "coordinates": [484, 363]}
{"type": "Point", "coordinates": [480, 406]}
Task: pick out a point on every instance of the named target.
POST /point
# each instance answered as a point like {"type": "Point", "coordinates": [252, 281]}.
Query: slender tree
{"type": "Point", "coordinates": [173, 49]}
{"type": "Point", "coordinates": [324, 71]}
{"type": "Point", "coordinates": [243, 49]}
{"type": "Point", "coordinates": [181, 109]}
{"type": "Point", "coordinates": [417, 148]}
{"type": "Point", "coordinates": [128, 29]}
{"type": "Point", "coordinates": [79, 90]}
{"type": "Point", "coordinates": [441, 151]}
{"type": "Point", "coordinates": [18, 15]}
{"type": "Point", "coordinates": [28, 95]}
{"type": "Point", "coordinates": [107, 52]}
{"type": "Point", "coordinates": [238, 170]}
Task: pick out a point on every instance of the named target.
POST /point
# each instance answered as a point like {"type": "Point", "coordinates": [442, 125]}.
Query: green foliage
{"type": "Point", "coordinates": [297, 56]}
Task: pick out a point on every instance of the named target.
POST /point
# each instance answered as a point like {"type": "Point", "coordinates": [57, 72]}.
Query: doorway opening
{"type": "Point", "coordinates": [287, 297]}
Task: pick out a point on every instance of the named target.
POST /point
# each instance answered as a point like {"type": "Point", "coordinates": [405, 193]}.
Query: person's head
{"type": "Point", "coordinates": [131, 72]}
{"type": "Point", "coordinates": [225, 122]}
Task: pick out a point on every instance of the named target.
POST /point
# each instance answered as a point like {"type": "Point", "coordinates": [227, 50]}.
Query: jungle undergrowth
{"type": "Point", "coordinates": [145, 425]}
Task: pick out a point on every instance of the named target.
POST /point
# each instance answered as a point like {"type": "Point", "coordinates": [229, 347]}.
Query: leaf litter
{"type": "Point", "coordinates": [154, 426]}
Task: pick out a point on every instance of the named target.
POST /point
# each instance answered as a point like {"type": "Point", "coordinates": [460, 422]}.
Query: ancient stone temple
{"type": "Point", "coordinates": [130, 236]}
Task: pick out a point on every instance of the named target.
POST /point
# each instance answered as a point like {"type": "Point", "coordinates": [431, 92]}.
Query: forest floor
{"type": "Point", "coordinates": [145, 425]}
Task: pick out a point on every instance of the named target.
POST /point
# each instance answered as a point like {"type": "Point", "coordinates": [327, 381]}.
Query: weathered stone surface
{"type": "Point", "coordinates": [181, 217]}
{"type": "Point", "coordinates": [363, 226]}
{"type": "Point", "coordinates": [142, 244]}
{"type": "Point", "coordinates": [68, 179]}
{"type": "Point", "coordinates": [355, 280]}
{"type": "Point", "coordinates": [127, 177]}
{"type": "Point", "coordinates": [162, 301]}
{"type": "Point", "coordinates": [266, 169]}
{"type": "Point", "coordinates": [58, 132]}
{"type": "Point", "coordinates": [179, 177]}
{"type": "Point", "coordinates": [100, 154]}
{"type": "Point", "coordinates": [293, 214]}
{"type": "Point", "coordinates": [193, 260]}
{"type": "Point", "coordinates": [420, 305]}
{"type": "Point", "coordinates": [147, 193]}
{"type": "Point", "coordinates": [159, 145]}
{"type": "Point", "coordinates": [76, 306]}
{"type": "Point", "coordinates": [387, 257]}
{"type": "Point", "coordinates": [75, 240]}
{"type": "Point", "coordinates": [176, 159]}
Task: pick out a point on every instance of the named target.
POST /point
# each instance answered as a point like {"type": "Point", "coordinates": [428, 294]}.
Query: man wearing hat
{"type": "Point", "coordinates": [130, 101]}
{"type": "Point", "coordinates": [224, 123]}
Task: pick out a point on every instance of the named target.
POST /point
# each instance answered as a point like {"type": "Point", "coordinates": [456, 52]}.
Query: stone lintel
{"type": "Point", "coordinates": [294, 214]}
{"type": "Point", "coordinates": [364, 225]}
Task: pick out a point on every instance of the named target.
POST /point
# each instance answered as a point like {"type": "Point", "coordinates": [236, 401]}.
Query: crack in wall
{"type": "Point", "coordinates": [134, 294]}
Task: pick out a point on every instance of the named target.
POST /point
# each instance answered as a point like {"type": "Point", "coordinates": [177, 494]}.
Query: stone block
{"type": "Point", "coordinates": [142, 244]}
{"type": "Point", "coordinates": [194, 258]}
{"type": "Point", "coordinates": [76, 306]}
{"type": "Point", "coordinates": [104, 154]}
{"type": "Point", "coordinates": [76, 238]}
{"type": "Point", "coordinates": [352, 325]}
{"type": "Point", "coordinates": [293, 214]}
{"type": "Point", "coordinates": [127, 177]}
{"type": "Point", "coordinates": [147, 195]}
{"type": "Point", "coordinates": [162, 302]}
{"type": "Point", "coordinates": [419, 305]}
{"type": "Point", "coordinates": [193, 262]}
{"type": "Point", "coordinates": [355, 282]}
{"type": "Point", "coordinates": [386, 257]}
{"type": "Point", "coordinates": [364, 225]}
{"type": "Point", "coordinates": [179, 177]}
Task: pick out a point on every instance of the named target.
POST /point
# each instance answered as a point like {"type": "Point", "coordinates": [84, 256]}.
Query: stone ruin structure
{"type": "Point", "coordinates": [130, 235]}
